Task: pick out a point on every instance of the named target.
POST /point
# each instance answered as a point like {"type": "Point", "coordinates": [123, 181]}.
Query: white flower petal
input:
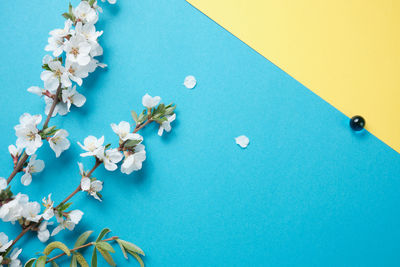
{"type": "Point", "coordinates": [85, 184]}
{"type": "Point", "coordinates": [35, 90]}
{"type": "Point", "coordinates": [242, 141]}
{"type": "Point", "coordinates": [26, 179]}
{"type": "Point", "coordinates": [190, 82]}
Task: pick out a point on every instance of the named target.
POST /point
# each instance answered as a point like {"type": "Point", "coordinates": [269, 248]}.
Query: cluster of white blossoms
{"type": "Point", "coordinates": [74, 49]}
{"type": "Point", "coordinates": [131, 150]}
{"type": "Point", "coordinates": [25, 212]}
{"type": "Point", "coordinates": [29, 139]}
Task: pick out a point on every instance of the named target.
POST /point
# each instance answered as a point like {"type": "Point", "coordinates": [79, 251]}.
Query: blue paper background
{"type": "Point", "coordinates": [307, 191]}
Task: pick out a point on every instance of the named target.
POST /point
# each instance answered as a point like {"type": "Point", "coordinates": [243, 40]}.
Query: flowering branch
{"type": "Point", "coordinates": [130, 149]}
{"type": "Point", "coordinates": [74, 49]}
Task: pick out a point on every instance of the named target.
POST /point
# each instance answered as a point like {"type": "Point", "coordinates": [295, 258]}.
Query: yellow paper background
{"type": "Point", "coordinates": [346, 51]}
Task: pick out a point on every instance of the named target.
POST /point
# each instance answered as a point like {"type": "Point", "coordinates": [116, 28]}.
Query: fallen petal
{"type": "Point", "coordinates": [242, 141]}
{"type": "Point", "coordinates": [190, 82]}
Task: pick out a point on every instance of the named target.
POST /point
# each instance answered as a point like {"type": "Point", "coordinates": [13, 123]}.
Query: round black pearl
{"type": "Point", "coordinates": [357, 123]}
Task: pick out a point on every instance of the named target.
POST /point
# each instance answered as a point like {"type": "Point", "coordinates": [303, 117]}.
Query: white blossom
{"type": "Point", "coordinates": [31, 211]}
{"type": "Point", "coordinates": [88, 31]}
{"type": "Point", "coordinates": [91, 144]}
{"type": "Point", "coordinates": [150, 102]}
{"type": "Point", "coordinates": [4, 242]}
{"type": "Point", "coordinates": [11, 211]}
{"type": "Point", "coordinates": [34, 166]}
{"type": "Point", "coordinates": [133, 162]}
{"type": "Point", "coordinates": [85, 13]}
{"type": "Point", "coordinates": [123, 130]}
{"type": "Point", "coordinates": [78, 49]}
{"type": "Point", "coordinates": [15, 262]}
{"type": "Point", "coordinates": [59, 142]}
{"type": "Point", "coordinates": [3, 184]}
{"type": "Point", "coordinates": [109, 157]}
{"type": "Point", "coordinates": [71, 96]}
{"type": "Point", "coordinates": [49, 211]}
{"type": "Point", "coordinates": [54, 76]}
{"type": "Point", "coordinates": [56, 40]}
{"type": "Point", "coordinates": [166, 125]}
{"type": "Point", "coordinates": [76, 72]}
{"type": "Point", "coordinates": [73, 218]}
{"type": "Point", "coordinates": [242, 141]}
{"type": "Point", "coordinates": [15, 151]}
{"type": "Point", "coordinates": [190, 82]}
{"type": "Point", "coordinates": [92, 187]}
{"type": "Point", "coordinates": [28, 133]}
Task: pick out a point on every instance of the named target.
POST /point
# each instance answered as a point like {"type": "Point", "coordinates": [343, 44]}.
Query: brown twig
{"type": "Point", "coordinates": [139, 127]}
{"type": "Point", "coordinates": [17, 167]}
{"type": "Point", "coordinates": [97, 164]}
{"type": "Point", "coordinates": [23, 232]}
{"type": "Point", "coordinates": [23, 159]}
{"type": "Point", "coordinates": [53, 106]}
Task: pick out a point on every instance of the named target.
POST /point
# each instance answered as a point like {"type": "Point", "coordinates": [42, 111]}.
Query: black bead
{"type": "Point", "coordinates": [357, 123]}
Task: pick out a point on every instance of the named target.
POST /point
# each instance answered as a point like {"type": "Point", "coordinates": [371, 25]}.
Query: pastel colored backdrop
{"type": "Point", "coordinates": [307, 191]}
{"type": "Point", "coordinates": [344, 51]}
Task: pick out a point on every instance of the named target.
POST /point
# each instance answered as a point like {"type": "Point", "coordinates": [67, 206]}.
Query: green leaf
{"type": "Point", "coordinates": [106, 256]}
{"type": "Point", "coordinates": [91, 2]}
{"type": "Point", "coordinates": [131, 247]}
{"type": "Point", "coordinates": [159, 108]}
{"type": "Point", "coordinates": [170, 110]}
{"type": "Point", "coordinates": [56, 244]}
{"type": "Point", "coordinates": [122, 249]}
{"type": "Point", "coordinates": [82, 238]}
{"type": "Point", "coordinates": [142, 116]}
{"type": "Point", "coordinates": [67, 16]}
{"type": "Point", "coordinates": [70, 8]}
{"type": "Point", "coordinates": [107, 146]}
{"type": "Point", "coordinates": [94, 257]}
{"type": "Point", "coordinates": [48, 130]}
{"type": "Point", "coordinates": [54, 264]}
{"type": "Point", "coordinates": [46, 67]}
{"type": "Point", "coordinates": [137, 257]}
{"type": "Point", "coordinates": [30, 262]}
{"type": "Point", "coordinates": [74, 263]}
{"type": "Point", "coordinates": [132, 143]}
{"type": "Point", "coordinates": [64, 207]}
{"type": "Point", "coordinates": [134, 116]}
{"type": "Point", "coordinates": [41, 261]}
{"type": "Point", "coordinates": [81, 260]}
{"type": "Point", "coordinates": [105, 246]}
{"type": "Point", "coordinates": [102, 234]}
{"type": "Point", "coordinates": [160, 120]}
